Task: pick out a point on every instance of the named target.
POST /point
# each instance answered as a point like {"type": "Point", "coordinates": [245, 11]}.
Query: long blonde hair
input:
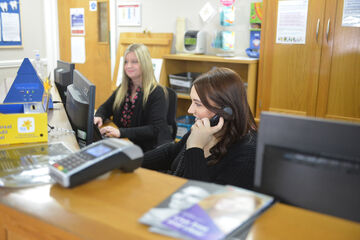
{"type": "Point", "coordinates": [147, 72]}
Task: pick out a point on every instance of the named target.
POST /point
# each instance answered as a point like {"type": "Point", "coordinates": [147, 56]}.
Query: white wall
{"type": "Point", "coordinates": [33, 37]}
{"type": "Point", "coordinates": [161, 15]}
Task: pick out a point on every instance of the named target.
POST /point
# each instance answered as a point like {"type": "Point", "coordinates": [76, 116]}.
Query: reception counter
{"type": "Point", "coordinates": [109, 208]}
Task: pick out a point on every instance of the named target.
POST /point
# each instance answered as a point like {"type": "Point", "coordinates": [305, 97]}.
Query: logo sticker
{"type": "Point", "coordinates": [26, 125]}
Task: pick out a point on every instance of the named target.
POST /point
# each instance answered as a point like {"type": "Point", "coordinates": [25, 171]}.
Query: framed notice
{"type": "Point", "coordinates": [129, 13]}
{"type": "Point", "coordinates": [10, 24]}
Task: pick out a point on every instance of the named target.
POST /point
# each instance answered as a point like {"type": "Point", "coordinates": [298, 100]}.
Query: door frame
{"type": "Point", "coordinates": [51, 34]}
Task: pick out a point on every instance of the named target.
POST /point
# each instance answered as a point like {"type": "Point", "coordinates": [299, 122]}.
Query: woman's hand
{"type": "Point", "coordinates": [98, 121]}
{"type": "Point", "coordinates": [202, 133]}
{"type": "Point", "coordinates": [110, 132]}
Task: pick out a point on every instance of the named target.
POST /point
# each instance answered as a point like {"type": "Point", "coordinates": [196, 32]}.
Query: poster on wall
{"type": "Point", "coordinates": [291, 22]}
{"type": "Point", "coordinates": [129, 13]}
{"type": "Point", "coordinates": [10, 23]}
{"type": "Point", "coordinates": [78, 50]}
{"type": "Point", "coordinates": [351, 13]}
{"type": "Point", "coordinates": [77, 21]}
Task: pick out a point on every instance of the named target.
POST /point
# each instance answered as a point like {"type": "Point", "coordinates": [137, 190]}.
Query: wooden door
{"type": "Point", "coordinates": [339, 85]}
{"type": "Point", "coordinates": [288, 73]}
{"type": "Point", "coordinates": [97, 65]}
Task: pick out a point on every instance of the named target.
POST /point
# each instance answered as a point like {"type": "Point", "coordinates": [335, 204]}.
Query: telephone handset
{"type": "Point", "coordinates": [215, 119]}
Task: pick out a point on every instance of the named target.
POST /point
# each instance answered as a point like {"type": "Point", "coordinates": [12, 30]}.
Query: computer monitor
{"type": "Point", "coordinates": [63, 76]}
{"type": "Point", "coordinates": [310, 162]}
{"type": "Point", "coordinates": [80, 103]}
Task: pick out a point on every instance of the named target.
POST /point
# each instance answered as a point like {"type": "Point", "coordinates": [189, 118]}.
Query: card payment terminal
{"type": "Point", "coordinates": [96, 159]}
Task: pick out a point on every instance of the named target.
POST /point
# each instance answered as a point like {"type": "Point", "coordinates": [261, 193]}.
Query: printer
{"type": "Point", "coordinates": [195, 42]}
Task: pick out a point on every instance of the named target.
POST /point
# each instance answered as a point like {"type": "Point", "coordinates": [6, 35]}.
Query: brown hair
{"type": "Point", "coordinates": [225, 88]}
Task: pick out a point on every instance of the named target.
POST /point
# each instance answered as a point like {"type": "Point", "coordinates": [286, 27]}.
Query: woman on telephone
{"type": "Point", "coordinates": [221, 145]}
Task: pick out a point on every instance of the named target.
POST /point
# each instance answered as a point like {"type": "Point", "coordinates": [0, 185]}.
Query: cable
{"type": "Point", "coordinates": [51, 128]}
{"type": "Point", "coordinates": [54, 130]}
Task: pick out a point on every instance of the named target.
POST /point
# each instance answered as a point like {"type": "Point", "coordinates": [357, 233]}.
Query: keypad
{"type": "Point", "coordinates": [72, 161]}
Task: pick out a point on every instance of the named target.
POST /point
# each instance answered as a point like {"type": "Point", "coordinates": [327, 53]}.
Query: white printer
{"type": "Point", "coordinates": [195, 42]}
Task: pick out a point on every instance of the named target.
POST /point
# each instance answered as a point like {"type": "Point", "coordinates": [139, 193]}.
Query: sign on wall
{"type": "Point", "coordinates": [77, 21]}
{"type": "Point", "coordinates": [10, 23]}
{"type": "Point", "coordinates": [292, 21]}
{"type": "Point", "coordinates": [129, 13]}
{"type": "Point", "coordinates": [351, 13]}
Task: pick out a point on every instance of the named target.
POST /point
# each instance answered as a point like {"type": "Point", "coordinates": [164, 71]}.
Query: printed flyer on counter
{"type": "Point", "coordinates": [200, 210]}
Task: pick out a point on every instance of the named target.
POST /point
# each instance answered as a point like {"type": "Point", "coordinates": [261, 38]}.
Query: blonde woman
{"type": "Point", "coordinates": [139, 105]}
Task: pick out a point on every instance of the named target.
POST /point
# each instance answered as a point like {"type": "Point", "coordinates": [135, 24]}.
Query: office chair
{"type": "Point", "coordinates": [171, 114]}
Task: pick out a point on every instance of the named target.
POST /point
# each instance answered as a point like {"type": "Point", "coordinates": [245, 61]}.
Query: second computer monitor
{"type": "Point", "coordinates": [63, 76]}
{"type": "Point", "coordinates": [310, 162]}
{"type": "Point", "coordinates": [80, 103]}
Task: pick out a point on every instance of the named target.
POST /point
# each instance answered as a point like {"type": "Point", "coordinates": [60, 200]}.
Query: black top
{"type": "Point", "coordinates": [235, 168]}
{"type": "Point", "coordinates": [148, 124]}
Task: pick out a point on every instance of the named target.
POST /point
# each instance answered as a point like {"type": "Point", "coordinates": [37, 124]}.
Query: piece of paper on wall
{"type": "Point", "coordinates": [291, 23]}
{"type": "Point", "coordinates": [93, 6]}
{"type": "Point", "coordinates": [129, 13]}
{"type": "Point", "coordinates": [351, 13]}
{"type": "Point", "coordinates": [207, 12]}
{"type": "Point", "coordinates": [78, 50]}
{"type": "Point", "coordinates": [10, 26]}
{"type": "Point", "coordinates": [157, 65]}
{"type": "Point", "coordinates": [77, 21]}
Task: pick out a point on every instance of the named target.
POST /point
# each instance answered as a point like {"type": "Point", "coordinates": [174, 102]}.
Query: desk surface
{"type": "Point", "coordinates": [109, 208]}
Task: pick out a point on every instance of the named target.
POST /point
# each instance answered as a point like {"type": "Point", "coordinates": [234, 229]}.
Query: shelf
{"type": "Point", "coordinates": [180, 63]}
{"type": "Point", "coordinates": [183, 96]}
{"type": "Point", "coordinates": [150, 41]}
{"type": "Point", "coordinates": [209, 58]}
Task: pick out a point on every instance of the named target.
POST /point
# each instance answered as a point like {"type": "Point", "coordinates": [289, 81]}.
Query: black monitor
{"type": "Point", "coordinates": [310, 162]}
{"type": "Point", "coordinates": [80, 103]}
{"type": "Point", "coordinates": [63, 76]}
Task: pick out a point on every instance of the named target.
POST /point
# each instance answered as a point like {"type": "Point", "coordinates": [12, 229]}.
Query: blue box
{"type": "Point", "coordinates": [184, 124]}
{"type": "Point", "coordinates": [255, 39]}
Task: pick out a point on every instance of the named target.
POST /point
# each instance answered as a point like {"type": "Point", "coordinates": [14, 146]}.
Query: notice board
{"type": "Point", "coordinates": [10, 24]}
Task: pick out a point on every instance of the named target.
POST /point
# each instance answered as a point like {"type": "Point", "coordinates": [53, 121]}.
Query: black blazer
{"type": "Point", "coordinates": [148, 124]}
{"type": "Point", "coordinates": [235, 168]}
